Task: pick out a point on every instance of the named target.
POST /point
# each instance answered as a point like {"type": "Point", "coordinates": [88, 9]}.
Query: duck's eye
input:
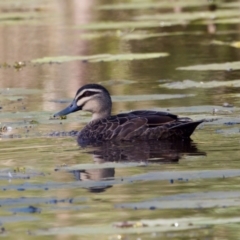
{"type": "Point", "coordinates": [87, 94]}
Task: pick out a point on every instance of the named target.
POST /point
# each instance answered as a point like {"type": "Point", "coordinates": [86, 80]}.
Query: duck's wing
{"type": "Point", "coordinates": [146, 113]}
{"type": "Point", "coordinates": [139, 124]}
{"type": "Point", "coordinates": [153, 118]}
{"type": "Point", "coordinates": [156, 118]}
{"type": "Point", "coordinates": [118, 127]}
{"type": "Point", "coordinates": [135, 125]}
{"type": "Point", "coordinates": [155, 125]}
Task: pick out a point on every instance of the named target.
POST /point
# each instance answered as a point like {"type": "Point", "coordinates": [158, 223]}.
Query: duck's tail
{"type": "Point", "coordinates": [186, 129]}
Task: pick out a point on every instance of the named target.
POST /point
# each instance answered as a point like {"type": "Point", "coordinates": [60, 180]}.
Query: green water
{"type": "Point", "coordinates": [159, 55]}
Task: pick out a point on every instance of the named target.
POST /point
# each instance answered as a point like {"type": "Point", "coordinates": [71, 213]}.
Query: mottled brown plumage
{"type": "Point", "coordinates": [135, 125]}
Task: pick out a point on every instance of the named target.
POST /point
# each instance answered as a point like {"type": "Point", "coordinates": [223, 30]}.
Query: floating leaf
{"type": "Point", "coordinates": [17, 16]}
{"type": "Point", "coordinates": [141, 35]}
{"type": "Point", "coordinates": [193, 84]}
{"type": "Point", "coordinates": [189, 16]}
{"type": "Point", "coordinates": [168, 19]}
{"type": "Point", "coordinates": [16, 91]}
{"type": "Point", "coordinates": [33, 121]}
{"type": "Point", "coordinates": [230, 4]}
{"type": "Point", "coordinates": [150, 5]}
{"type": "Point", "coordinates": [213, 67]}
{"type": "Point", "coordinates": [19, 65]}
{"type": "Point", "coordinates": [21, 15]}
{"type": "Point", "coordinates": [145, 35]}
{"type": "Point", "coordinates": [150, 97]}
{"type": "Point", "coordinates": [188, 200]}
{"type": "Point", "coordinates": [101, 57]}
{"type": "Point", "coordinates": [117, 82]}
{"type": "Point", "coordinates": [138, 35]}
{"type": "Point", "coordinates": [60, 59]}
{"type": "Point", "coordinates": [229, 131]}
{"type": "Point", "coordinates": [235, 44]}
{"type": "Point", "coordinates": [199, 109]}
{"type": "Point", "coordinates": [220, 21]}
{"type": "Point", "coordinates": [131, 56]}
{"type": "Point", "coordinates": [94, 35]}
{"type": "Point", "coordinates": [124, 25]}
{"type": "Point", "coordinates": [150, 226]}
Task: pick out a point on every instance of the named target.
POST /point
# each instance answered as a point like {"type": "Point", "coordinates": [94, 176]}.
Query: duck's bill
{"type": "Point", "coordinates": [73, 107]}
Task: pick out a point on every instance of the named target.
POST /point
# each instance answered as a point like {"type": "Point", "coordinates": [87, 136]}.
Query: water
{"type": "Point", "coordinates": [52, 187]}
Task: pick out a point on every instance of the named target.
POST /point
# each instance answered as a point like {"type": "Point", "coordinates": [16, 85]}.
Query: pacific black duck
{"type": "Point", "coordinates": [135, 125]}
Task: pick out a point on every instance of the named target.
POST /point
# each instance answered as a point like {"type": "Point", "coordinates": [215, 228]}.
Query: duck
{"type": "Point", "coordinates": [143, 125]}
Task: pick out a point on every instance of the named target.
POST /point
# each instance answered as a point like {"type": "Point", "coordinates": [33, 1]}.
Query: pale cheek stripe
{"type": "Point", "coordinates": [82, 101]}
{"type": "Point", "coordinates": [89, 89]}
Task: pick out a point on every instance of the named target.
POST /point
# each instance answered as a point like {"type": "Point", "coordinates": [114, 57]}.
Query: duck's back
{"type": "Point", "coordinates": [138, 125]}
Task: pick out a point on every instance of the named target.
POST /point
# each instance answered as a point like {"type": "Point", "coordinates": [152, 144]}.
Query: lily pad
{"type": "Point", "coordinates": [193, 84]}
{"type": "Point", "coordinates": [213, 67]}
{"type": "Point", "coordinates": [101, 57]}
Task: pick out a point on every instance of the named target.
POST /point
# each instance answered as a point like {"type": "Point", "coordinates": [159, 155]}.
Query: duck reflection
{"type": "Point", "coordinates": [151, 152]}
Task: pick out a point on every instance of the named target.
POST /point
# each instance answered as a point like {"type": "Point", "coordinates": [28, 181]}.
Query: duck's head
{"type": "Point", "coordinates": [93, 98]}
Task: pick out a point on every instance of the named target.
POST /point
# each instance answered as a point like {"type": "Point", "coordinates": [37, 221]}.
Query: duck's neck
{"type": "Point", "coordinates": [99, 115]}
